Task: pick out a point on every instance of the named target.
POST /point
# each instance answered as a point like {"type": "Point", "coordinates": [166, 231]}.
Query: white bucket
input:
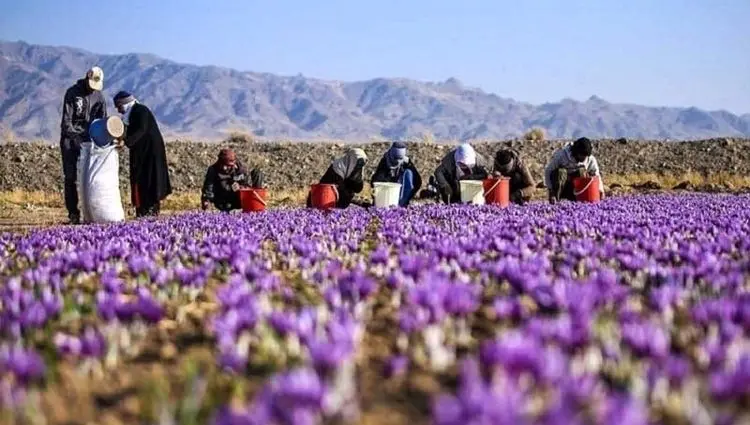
{"type": "Point", "coordinates": [386, 194]}
{"type": "Point", "coordinates": [472, 191]}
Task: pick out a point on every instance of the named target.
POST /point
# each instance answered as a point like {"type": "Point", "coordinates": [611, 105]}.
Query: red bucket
{"type": "Point", "coordinates": [586, 189]}
{"type": "Point", "coordinates": [253, 200]}
{"type": "Point", "coordinates": [497, 191]}
{"type": "Point", "coordinates": [324, 196]}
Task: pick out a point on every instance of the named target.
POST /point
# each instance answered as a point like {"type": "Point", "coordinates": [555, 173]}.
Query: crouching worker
{"type": "Point", "coordinates": [573, 160]}
{"type": "Point", "coordinates": [223, 182]}
{"type": "Point", "coordinates": [509, 164]}
{"type": "Point", "coordinates": [396, 167]}
{"type": "Point", "coordinates": [462, 163]}
{"type": "Point", "coordinates": [346, 173]}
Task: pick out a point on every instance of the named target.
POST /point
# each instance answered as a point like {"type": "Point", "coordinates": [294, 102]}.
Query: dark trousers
{"type": "Point", "coordinates": [145, 205]}
{"type": "Point", "coordinates": [71, 151]}
{"type": "Point", "coordinates": [228, 202]}
{"type": "Point", "coordinates": [562, 184]}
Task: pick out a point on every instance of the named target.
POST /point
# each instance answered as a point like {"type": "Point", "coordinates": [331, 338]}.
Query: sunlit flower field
{"type": "Point", "coordinates": [632, 311]}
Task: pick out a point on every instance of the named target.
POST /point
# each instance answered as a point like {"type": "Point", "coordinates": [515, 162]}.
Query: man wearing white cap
{"type": "Point", "coordinates": [83, 103]}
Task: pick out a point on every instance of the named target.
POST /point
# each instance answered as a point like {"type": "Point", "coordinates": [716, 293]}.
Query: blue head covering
{"type": "Point", "coordinates": [396, 155]}
{"type": "Point", "coordinates": [123, 98]}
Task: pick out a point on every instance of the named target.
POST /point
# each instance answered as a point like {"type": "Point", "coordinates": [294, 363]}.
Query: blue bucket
{"type": "Point", "coordinates": [99, 130]}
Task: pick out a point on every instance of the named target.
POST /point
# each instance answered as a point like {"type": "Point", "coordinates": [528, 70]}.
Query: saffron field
{"type": "Point", "coordinates": [632, 311]}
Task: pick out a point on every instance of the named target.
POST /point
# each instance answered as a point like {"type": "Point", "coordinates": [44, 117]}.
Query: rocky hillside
{"type": "Point", "coordinates": [208, 102]}
{"type": "Point", "coordinates": [296, 165]}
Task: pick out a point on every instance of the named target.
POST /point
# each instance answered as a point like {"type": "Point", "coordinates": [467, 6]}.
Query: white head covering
{"type": "Point", "coordinates": [127, 107]}
{"type": "Point", "coordinates": [466, 155]}
{"type": "Point", "coordinates": [344, 166]}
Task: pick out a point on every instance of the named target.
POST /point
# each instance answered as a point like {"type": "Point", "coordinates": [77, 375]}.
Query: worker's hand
{"type": "Point", "coordinates": [235, 186]}
{"type": "Point", "coordinates": [204, 205]}
{"type": "Point", "coordinates": [497, 174]}
{"type": "Point", "coordinates": [552, 198]}
{"type": "Point", "coordinates": [601, 194]}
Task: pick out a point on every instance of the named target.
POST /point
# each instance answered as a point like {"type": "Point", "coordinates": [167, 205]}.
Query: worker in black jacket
{"type": "Point", "coordinates": [223, 182]}
{"type": "Point", "coordinates": [346, 173]}
{"type": "Point", "coordinates": [396, 167]}
{"type": "Point", "coordinates": [83, 103]}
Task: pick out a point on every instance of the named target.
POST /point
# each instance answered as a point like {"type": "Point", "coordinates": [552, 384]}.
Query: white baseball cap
{"type": "Point", "coordinates": [95, 77]}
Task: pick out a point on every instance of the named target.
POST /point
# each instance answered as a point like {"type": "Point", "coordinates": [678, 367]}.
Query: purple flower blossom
{"type": "Point", "coordinates": [646, 339]}
{"type": "Point", "coordinates": [25, 365]}
{"type": "Point", "coordinates": [478, 402]}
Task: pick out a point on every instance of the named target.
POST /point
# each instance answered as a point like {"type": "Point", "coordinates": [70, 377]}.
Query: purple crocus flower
{"type": "Point", "coordinates": [25, 365]}
{"type": "Point", "coordinates": [477, 402]}
{"type": "Point", "coordinates": [68, 345]}
{"type": "Point", "coordinates": [283, 322]}
{"type": "Point", "coordinates": [625, 411]}
{"type": "Point", "coordinates": [507, 309]}
{"type": "Point", "coordinates": [732, 384]}
{"type": "Point", "coordinates": [327, 356]}
{"type": "Point", "coordinates": [462, 299]}
{"type": "Point", "coordinates": [231, 361]}
{"type": "Point", "coordinates": [646, 339]}
{"type": "Point", "coordinates": [299, 388]}
{"type": "Point", "coordinates": [515, 353]}
{"type": "Point", "coordinates": [395, 365]}
{"type": "Point", "coordinates": [148, 309]}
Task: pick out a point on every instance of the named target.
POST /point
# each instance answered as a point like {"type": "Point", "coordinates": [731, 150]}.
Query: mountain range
{"type": "Point", "coordinates": [210, 102]}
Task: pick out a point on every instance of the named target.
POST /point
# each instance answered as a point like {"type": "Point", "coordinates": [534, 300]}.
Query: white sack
{"type": "Point", "coordinates": [99, 184]}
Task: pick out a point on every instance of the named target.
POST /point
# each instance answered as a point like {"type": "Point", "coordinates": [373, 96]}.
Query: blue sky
{"type": "Point", "coordinates": [653, 52]}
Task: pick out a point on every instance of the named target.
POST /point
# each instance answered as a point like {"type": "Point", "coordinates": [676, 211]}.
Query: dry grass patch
{"type": "Point", "coordinates": [670, 181]}
{"type": "Point", "coordinates": [25, 199]}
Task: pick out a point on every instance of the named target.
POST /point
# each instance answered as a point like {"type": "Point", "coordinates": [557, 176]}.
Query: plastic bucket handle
{"type": "Point", "coordinates": [255, 194]}
{"type": "Point", "coordinates": [591, 180]}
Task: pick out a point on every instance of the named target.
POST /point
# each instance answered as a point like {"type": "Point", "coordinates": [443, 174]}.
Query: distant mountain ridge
{"type": "Point", "coordinates": [210, 102]}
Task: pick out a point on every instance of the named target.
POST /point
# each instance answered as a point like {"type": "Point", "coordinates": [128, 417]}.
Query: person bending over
{"type": "Point", "coordinates": [396, 167]}
{"type": "Point", "coordinates": [223, 182]}
{"type": "Point", "coordinates": [508, 163]}
{"type": "Point", "coordinates": [462, 163]}
{"type": "Point", "coordinates": [346, 173]}
{"type": "Point", "coordinates": [572, 160]}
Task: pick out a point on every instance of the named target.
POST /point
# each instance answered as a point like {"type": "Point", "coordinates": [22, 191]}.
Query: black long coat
{"type": "Point", "coordinates": [149, 173]}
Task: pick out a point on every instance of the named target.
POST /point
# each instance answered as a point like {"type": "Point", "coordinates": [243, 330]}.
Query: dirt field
{"type": "Point", "coordinates": [290, 166]}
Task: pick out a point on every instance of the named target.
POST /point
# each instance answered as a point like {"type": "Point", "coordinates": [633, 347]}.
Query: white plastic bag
{"type": "Point", "coordinates": [99, 184]}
